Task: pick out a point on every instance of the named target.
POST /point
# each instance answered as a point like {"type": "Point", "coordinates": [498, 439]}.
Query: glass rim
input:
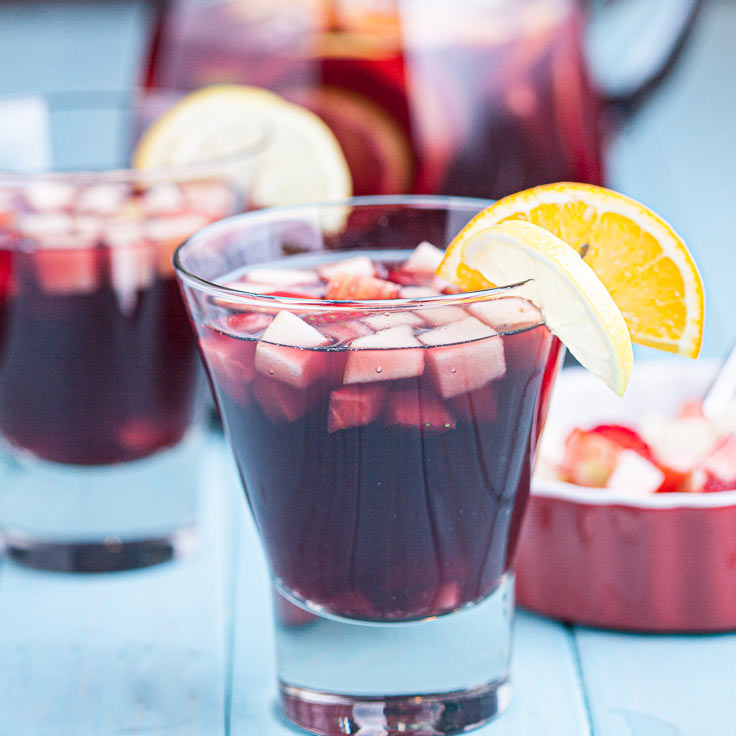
{"type": "Point", "coordinates": [246, 298]}
{"type": "Point", "coordinates": [110, 99]}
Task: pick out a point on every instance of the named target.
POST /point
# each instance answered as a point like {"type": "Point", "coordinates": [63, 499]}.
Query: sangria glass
{"type": "Point", "coordinates": [98, 369]}
{"type": "Point", "coordinates": [472, 97]}
{"type": "Point", "coordinates": [385, 449]}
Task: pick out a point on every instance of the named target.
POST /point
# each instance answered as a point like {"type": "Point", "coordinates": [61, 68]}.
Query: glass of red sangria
{"type": "Point", "coordinates": [471, 97]}
{"type": "Point", "coordinates": [98, 369]}
{"type": "Point", "coordinates": [384, 427]}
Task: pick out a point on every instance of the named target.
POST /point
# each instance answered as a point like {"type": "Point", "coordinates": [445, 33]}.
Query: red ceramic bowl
{"type": "Point", "coordinates": [663, 562]}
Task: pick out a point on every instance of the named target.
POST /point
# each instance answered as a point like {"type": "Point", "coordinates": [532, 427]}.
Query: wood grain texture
{"type": "Point", "coordinates": [134, 653]}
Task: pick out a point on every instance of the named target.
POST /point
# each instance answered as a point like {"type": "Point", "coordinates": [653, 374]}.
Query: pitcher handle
{"type": "Point", "coordinates": [632, 45]}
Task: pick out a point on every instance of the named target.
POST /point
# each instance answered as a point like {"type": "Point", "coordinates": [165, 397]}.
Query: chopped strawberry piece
{"type": "Point", "coordinates": [476, 406]}
{"type": "Point", "coordinates": [249, 323]}
{"type": "Point", "coordinates": [463, 356]}
{"type": "Point", "coordinates": [346, 286]}
{"type": "Point", "coordinates": [626, 437]}
{"type": "Point", "coordinates": [386, 355]}
{"type": "Point", "coordinates": [357, 266]}
{"type": "Point", "coordinates": [354, 406]}
{"type": "Point", "coordinates": [420, 409]}
{"type": "Point", "coordinates": [589, 459]}
{"type": "Point", "coordinates": [279, 401]}
{"type": "Point", "coordinates": [286, 351]}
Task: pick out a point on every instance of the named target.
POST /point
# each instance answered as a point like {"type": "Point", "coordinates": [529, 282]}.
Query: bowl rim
{"type": "Point", "coordinates": [563, 491]}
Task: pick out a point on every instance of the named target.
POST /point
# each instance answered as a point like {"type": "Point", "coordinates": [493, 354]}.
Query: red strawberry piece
{"type": "Point", "coordinates": [626, 437]}
{"type": "Point", "coordinates": [286, 351]}
{"type": "Point", "coordinates": [354, 406]}
{"type": "Point", "coordinates": [418, 408]}
{"type": "Point", "coordinates": [506, 313]}
{"type": "Point", "coordinates": [476, 406]}
{"type": "Point", "coordinates": [720, 466]}
{"type": "Point", "coordinates": [249, 323]}
{"type": "Point", "coordinates": [357, 266]}
{"type": "Point", "coordinates": [386, 355]}
{"type": "Point", "coordinates": [231, 363]}
{"type": "Point", "coordinates": [279, 401]}
{"type": "Point", "coordinates": [346, 286]}
{"type": "Point", "coordinates": [463, 356]}
{"type": "Point", "coordinates": [424, 259]}
{"type": "Point", "coordinates": [589, 459]}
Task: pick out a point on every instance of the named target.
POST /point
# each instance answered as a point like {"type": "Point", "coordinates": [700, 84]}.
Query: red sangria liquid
{"type": "Point", "coordinates": [97, 361]}
{"type": "Point", "coordinates": [385, 452]}
{"type": "Point", "coordinates": [423, 96]}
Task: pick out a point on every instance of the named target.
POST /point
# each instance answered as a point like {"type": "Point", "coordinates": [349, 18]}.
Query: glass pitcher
{"type": "Point", "coordinates": [470, 97]}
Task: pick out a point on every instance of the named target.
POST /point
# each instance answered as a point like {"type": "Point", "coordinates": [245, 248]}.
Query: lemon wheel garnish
{"type": "Point", "coordinates": [576, 305]}
{"type": "Point", "coordinates": [301, 159]}
{"type": "Point", "coordinates": [644, 264]}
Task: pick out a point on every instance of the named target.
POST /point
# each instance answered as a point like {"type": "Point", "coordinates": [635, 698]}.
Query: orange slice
{"type": "Point", "coordinates": [644, 264]}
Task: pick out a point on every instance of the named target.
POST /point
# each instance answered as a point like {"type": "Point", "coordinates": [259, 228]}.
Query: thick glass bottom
{"type": "Point", "coordinates": [71, 518]}
{"type": "Point", "coordinates": [440, 676]}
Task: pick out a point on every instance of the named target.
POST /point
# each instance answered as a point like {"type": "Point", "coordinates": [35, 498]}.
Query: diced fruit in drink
{"type": "Point", "coordinates": [163, 199]}
{"type": "Point", "coordinates": [249, 323]}
{"type": "Point", "coordinates": [232, 362]}
{"type": "Point", "coordinates": [284, 353]}
{"type": "Point", "coordinates": [68, 271]}
{"type": "Point", "coordinates": [45, 196]}
{"type": "Point", "coordinates": [357, 266]}
{"type": "Point", "coordinates": [589, 460]}
{"type": "Point", "coordinates": [131, 269]}
{"type": "Point", "coordinates": [720, 466]}
{"type": "Point", "coordinates": [506, 313]}
{"type": "Point", "coordinates": [476, 406]}
{"type": "Point", "coordinates": [344, 332]}
{"type": "Point", "coordinates": [102, 199]}
{"type": "Point", "coordinates": [635, 474]}
{"type": "Point", "coordinates": [282, 276]}
{"type": "Point", "coordinates": [417, 292]}
{"type": "Point", "coordinates": [418, 408]}
{"type": "Point", "coordinates": [354, 406]}
{"type": "Point", "coordinates": [424, 259]}
{"type": "Point", "coordinates": [379, 357]}
{"type": "Point", "coordinates": [393, 319]}
{"type": "Point", "coordinates": [436, 316]}
{"type": "Point", "coordinates": [347, 286]}
{"type": "Point", "coordinates": [216, 200]}
{"type": "Point", "coordinates": [44, 226]}
{"type": "Point", "coordinates": [169, 232]}
{"type": "Point", "coordinates": [280, 401]}
{"type": "Point", "coordinates": [305, 291]}
{"type": "Point", "coordinates": [463, 356]}
{"type": "Point", "coordinates": [681, 444]}
{"type": "Point", "coordinates": [626, 437]}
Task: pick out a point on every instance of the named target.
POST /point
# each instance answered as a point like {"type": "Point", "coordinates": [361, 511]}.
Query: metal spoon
{"type": "Point", "coordinates": [722, 389]}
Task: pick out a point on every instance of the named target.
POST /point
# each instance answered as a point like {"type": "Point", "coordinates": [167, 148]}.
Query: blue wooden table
{"type": "Point", "coordinates": [186, 649]}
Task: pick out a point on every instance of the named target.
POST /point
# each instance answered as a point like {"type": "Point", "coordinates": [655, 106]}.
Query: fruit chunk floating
{"type": "Point", "coordinates": [687, 453]}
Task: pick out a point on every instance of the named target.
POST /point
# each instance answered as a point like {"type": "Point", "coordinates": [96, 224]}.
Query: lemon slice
{"type": "Point", "coordinates": [576, 305]}
{"type": "Point", "coordinates": [301, 161]}
{"type": "Point", "coordinates": [643, 263]}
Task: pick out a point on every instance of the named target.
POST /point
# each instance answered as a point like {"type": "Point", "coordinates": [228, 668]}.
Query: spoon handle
{"type": "Point", "coordinates": [723, 388]}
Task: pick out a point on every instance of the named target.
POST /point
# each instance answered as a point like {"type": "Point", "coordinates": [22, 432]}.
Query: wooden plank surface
{"type": "Point", "coordinates": [135, 653]}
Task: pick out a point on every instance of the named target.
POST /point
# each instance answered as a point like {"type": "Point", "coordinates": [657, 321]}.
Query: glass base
{"type": "Point", "coordinates": [444, 675]}
{"type": "Point", "coordinates": [426, 715]}
{"type": "Point", "coordinates": [110, 555]}
{"type": "Point", "coordinates": [70, 518]}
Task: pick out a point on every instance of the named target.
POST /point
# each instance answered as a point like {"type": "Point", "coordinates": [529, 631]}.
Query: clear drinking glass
{"type": "Point", "coordinates": [387, 480]}
{"type": "Point", "coordinates": [98, 368]}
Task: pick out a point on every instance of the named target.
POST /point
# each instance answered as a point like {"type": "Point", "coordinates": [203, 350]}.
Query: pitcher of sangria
{"type": "Point", "coordinates": [470, 97]}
